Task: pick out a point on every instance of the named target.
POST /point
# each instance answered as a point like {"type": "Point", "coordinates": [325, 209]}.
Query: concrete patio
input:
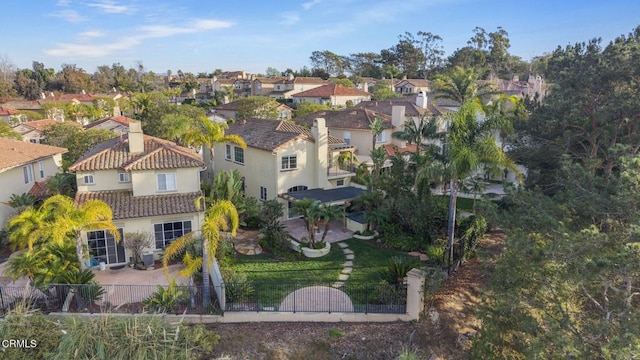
{"type": "Point", "coordinates": [337, 230]}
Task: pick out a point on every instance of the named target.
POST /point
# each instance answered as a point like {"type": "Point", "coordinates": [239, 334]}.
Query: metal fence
{"type": "Point", "coordinates": [94, 298]}
{"type": "Point", "coordinates": [246, 296]}
{"type": "Point", "coordinates": [313, 297]}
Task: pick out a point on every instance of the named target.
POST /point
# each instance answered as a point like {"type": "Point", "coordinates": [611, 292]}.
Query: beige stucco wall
{"type": "Point", "coordinates": [103, 180]}
{"type": "Point", "coordinates": [259, 169]}
{"type": "Point", "coordinates": [342, 99]}
{"type": "Point", "coordinates": [304, 174]}
{"type": "Point", "coordinates": [361, 139]}
{"type": "Point", "coordinates": [146, 182]}
{"type": "Point", "coordinates": [6, 212]}
{"type": "Point", "coordinates": [12, 180]}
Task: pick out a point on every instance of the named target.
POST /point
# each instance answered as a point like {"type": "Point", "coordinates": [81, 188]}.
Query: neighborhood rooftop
{"type": "Point", "coordinates": [15, 153]}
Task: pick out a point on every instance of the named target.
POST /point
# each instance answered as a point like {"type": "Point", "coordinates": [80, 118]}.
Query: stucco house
{"type": "Point", "coordinates": [334, 94]}
{"type": "Point", "coordinates": [412, 86]}
{"type": "Point", "coordinates": [285, 89]}
{"type": "Point", "coordinates": [229, 111]}
{"type": "Point", "coordinates": [116, 124]}
{"type": "Point", "coordinates": [22, 165]}
{"type": "Point", "coordinates": [283, 159]}
{"type": "Point", "coordinates": [31, 131]}
{"type": "Point", "coordinates": [6, 113]}
{"type": "Point", "coordinates": [150, 184]}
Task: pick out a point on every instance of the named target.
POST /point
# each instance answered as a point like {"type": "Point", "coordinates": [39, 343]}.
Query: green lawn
{"type": "Point", "coordinates": [462, 203]}
{"type": "Point", "coordinates": [274, 279]}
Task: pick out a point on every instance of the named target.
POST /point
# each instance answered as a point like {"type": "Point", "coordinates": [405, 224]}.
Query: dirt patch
{"type": "Point", "coordinates": [443, 332]}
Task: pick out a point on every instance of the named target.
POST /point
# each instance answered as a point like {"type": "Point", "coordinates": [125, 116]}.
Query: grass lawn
{"type": "Point", "coordinates": [463, 203]}
{"type": "Point", "coordinates": [274, 279]}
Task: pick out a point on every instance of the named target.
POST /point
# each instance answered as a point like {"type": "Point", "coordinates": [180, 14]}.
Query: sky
{"type": "Point", "coordinates": [251, 35]}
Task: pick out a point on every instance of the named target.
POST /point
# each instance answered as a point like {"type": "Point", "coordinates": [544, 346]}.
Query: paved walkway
{"type": "Point", "coordinates": [347, 266]}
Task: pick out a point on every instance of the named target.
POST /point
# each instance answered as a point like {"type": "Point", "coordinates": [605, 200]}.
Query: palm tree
{"type": "Point", "coordinates": [416, 133]}
{"type": "Point", "coordinates": [221, 216]}
{"type": "Point", "coordinates": [68, 218]}
{"type": "Point", "coordinates": [62, 184]}
{"type": "Point", "coordinates": [27, 229]}
{"type": "Point", "coordinates": [327, 214]}
{"type": "Point", "coordinates": [469, 143]}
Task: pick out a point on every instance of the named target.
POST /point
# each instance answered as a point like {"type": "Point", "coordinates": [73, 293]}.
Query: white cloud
{"type": "Point", "coordinates": [69, 15]}
{"type": "Point", "coordinates": [141, 34]}
{"type": "Point", "coordinates": [310, 4]}
{"type": "Point", "coordinates": [63, 3]}
{"type": "Point", "coordinates": [110, 7]}
{"type": "Point", "coordinates": [289, 18]}
{"type": "Point", "coordinates": [91, 34]}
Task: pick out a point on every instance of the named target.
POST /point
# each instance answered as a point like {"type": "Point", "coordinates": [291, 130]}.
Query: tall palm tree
{"type": "Point", "coordinates": [416, 133]}
{"type": "Point", "coordinates": [377, 126]}
{"type": "Point", "coordinates": [68, 218]}
{"type": "Point", "coordinates": [469, 143]}
{"type": "Point", "coordinates": [221, 216]}
{"type": "Point", "coordinates": [209, 133]}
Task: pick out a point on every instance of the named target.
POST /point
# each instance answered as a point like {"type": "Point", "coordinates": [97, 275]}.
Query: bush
{"type": "Point", "coordinates": [167, 300]}
{"type": "Point", "coordinates": [397, 269]}
{"type": "Point", "coordinates": [276, 238]}
{"type": "Point", "coordinates": [404, 242]}
{"type": "Point", "coordinates": [435, 252]}
{"type": "Point", "coordinates": [237, 288]}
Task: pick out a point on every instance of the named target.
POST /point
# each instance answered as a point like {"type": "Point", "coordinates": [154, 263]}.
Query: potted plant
{"type": "Point", "coordinates": [317, 218]}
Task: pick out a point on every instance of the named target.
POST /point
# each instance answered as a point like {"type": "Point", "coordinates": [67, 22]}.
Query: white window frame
{"type": "Point", "coordinates": [227, 149]}
{"type": "Point", "coordinates": [340, 182]}
{"type": "Point", "coordinates": [27, 171]}
{"type": "Point", "coordinates": [381, 137]}
{"type": "Point", "coordinates": [346, 136]}
{"type": "Point", "coordinates": [41, 169]}
{"type": "Point", "coordinates": [88, 179]}
{"type": "Point", "coordinates": [164, 183]}
{"type": "Point", "coordinates": [285, 163]}
{"type": "Point", "coordinates": [263, 193]}
{"type": "Point", "coordinates": [124, 177]}
{"type": "Point", "coordinates": [238, 150]}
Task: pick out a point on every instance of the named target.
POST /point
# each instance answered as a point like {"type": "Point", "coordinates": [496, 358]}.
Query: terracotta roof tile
{"type": "Point", "coordinates": [393, 150]}
{"type": "Point", "coordinates": [352, 118]}
{"type": "Point", "coordinates": [41, 125]}
{"type": "Point", "coordinates": [126, 206]}
{"type": "Point", "coordinates": [158, 154]}
{"type": "Point", "coordinates": [40, 189]}
{"type": "Point", "coordinates": [5, 111]}
{"type": "Point", "coordinates": [15, 153]}
{"type": "Point", "coordinates": [328, 90]}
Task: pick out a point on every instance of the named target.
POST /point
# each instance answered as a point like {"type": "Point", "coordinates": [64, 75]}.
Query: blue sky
{"type": "Point", "coordinates": [250, 35]}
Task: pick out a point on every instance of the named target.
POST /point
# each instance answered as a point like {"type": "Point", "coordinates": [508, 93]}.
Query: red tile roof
{"type": "Point", "coordinates": [158, 154]}
{"type": "Point", "coordinates": [126, 206]}
{"type": "Point", "coordinates": [351, 118]}
{"type": "Point", "coordinates": [328, 90]}
{"type": "Point", "coordinates": [40, 189]}
{"type": "Point", "coordinates": [15, 153]}
{"type": "Point", "coordinates": [45, 123]}
{"type": "Point", "coordinates": [393, 150]}
{"type": "Point", "coordinates": [5, 111]}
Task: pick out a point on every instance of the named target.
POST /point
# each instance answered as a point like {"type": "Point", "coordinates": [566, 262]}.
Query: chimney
{"type": "Point", "coordinates": [320, 134]}
{"type": "Point", "coordinates": [398, 119]}
{"type": "Point", "coordinates": [421, 100]}
{"type": "Point", "coordinates": [116, 111]}
{"type": "Point", "coordinates": [136, 138]}
{"type": "Point", "coordinates": [290, 76]}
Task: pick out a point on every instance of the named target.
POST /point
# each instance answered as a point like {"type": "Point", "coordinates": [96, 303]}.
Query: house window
{"type": "Point", "coordinates": [88, 179]}
{"type": "Point", "coordinates": [347, 137]}
{"type": "Point", "coordinates": [167, 232]}
{"type": "Point", "coordinates": [103, 247]}
{"type": "Point", "coordinates": [289, 162]}
{"type": "Point", "coordinates": [227, 152]}
{"type": "Point", "coordinates": [124, 177]}
{"type": "Point", "coordinates": [263, 193]}
{"type": "Point", "coordinates": [33, 141]}
{"type": "Point", "coordinates": [41, 169]}
{"type": "Point", "coordinates": [340, 182]}
{"type": "Point", "coordinates": [167, 182]}
{"type": "Point", "coordinates": [382, 137]}
{"type": "Point", "coordinates": [238, 155]}
{"type": "Point", "coordinates": [28, 174]}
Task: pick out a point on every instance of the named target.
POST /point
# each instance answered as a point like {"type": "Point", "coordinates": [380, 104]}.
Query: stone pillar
{"type": "Point", "coordinates": [415, 293]}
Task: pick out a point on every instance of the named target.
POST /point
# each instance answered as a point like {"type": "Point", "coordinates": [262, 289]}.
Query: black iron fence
{"type": "Point", "coordinates": [95, 298]}
{"type": "Point", "coordinates": [313, 297]}
{"type": "Point", "coordinates": [265, 297]}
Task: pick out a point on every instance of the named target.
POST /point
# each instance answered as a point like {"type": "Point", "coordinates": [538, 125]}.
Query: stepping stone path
{"type": "Point", "coordinates": [347, 266]}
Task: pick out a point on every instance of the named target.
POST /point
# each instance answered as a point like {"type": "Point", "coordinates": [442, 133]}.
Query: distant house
{"type": "Point", "coordinates": [6, 113]}
{"type": "Point", "coordinates": [116, 124]}
{"type": "Point", "coordinates": [31, 131]}
{"type": "Point", "coordinates": [282, 158]}
{"type": "Point", "coordinates": [285, 89]}
{"type": "Point", "coordinates": [151, 186]}
{"type": "Point", "coordinates": [22, 165]}
{"type": "Point", "coordinates": [412, 86]}
{"type": "Point", "coordinates": [230, 110]}
{"type": "Point", "coordinates": [334, 94]}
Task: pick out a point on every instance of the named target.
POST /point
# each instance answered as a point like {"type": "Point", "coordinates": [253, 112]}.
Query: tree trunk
{"type": "Point", "coordinates": [206, 291]}
{"type": "Point", "coordinates": [79, 252]}
{"type": "Point", "coordinates": [452, 220]}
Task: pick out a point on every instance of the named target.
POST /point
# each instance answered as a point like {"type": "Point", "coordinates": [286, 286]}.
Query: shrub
{"type": "Point", "coordinates": [166, 300]}
{"type": "Point", "coordinates": [435, 252]}
{"type": "Point", "coordinates": [276, 238]}
{"type": "Point", "coordinates": [404, 242]}
{"type": "Point", "coordinates": [237, 288]}
{"type": "Point", "coordinates": [38, 327]}
{"type": "Point", "coordinates": [397, 268]}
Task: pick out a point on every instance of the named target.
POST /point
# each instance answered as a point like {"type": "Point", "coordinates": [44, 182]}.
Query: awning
{"type": "Point", "coordinates": [331, 196]}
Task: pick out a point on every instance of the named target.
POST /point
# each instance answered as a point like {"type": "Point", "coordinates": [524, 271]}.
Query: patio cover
{"type": "Point", "coordinates": [336, 195]}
